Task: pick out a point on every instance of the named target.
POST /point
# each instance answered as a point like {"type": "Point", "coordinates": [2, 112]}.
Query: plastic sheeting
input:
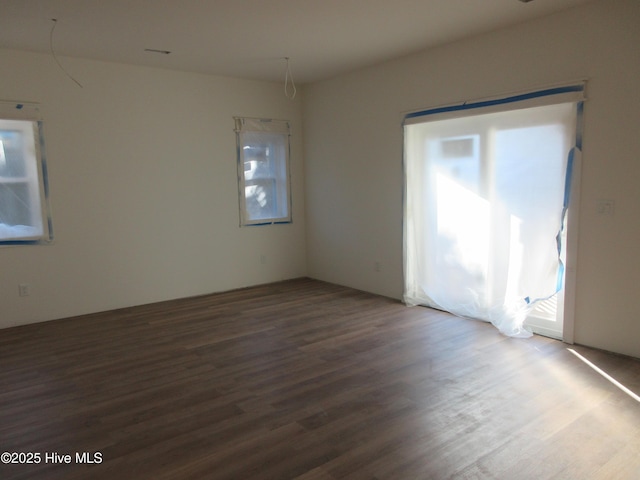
{"type": "Point", "coordinates": [13, 232]}
{"type": "Point", "coordinates": [484, 208]}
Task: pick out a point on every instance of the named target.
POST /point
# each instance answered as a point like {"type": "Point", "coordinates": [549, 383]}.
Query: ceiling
{"type": "Point", "coordinates": [251, 38]}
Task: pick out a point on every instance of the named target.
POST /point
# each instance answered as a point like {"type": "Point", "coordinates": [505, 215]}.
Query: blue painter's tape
{"type": "Point", "coordinates": [567, 191]}
{"type": "Point", "coordinates": [21, 242]}
{"type": "Point", "coordinates": [567, 179]}
{"type": "Point", "coordinates": [579, 124]}
{"type": "Point", "coordinates": [283, 222]}
{"type": "Point", "coordinates": [45, 182]}
{"type": "Point", "coordinates": [500, 101]}
{"type": "Point", "coordinates": [560, 278]}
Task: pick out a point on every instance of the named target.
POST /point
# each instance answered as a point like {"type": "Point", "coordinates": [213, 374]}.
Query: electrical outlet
{"type": "Point", "coordinates": [605, 207]}
{"type": "Point", "coordinates": [263, 259]}
{"type": "Point", "coordinates": [23, 290]}
{"type": "Point", "coordinates": [376, 266]}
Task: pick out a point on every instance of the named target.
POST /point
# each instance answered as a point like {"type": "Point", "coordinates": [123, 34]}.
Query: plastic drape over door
{"type": "Point", "coordinates": [484, 204]}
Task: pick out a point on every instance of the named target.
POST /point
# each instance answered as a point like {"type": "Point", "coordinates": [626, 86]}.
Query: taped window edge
{"type": "Point", "coordinates": [16, 110]}
{"type": "Point", "coordinates": [267, 125]}
{"type": "Point", "coordinates": [570, 93]}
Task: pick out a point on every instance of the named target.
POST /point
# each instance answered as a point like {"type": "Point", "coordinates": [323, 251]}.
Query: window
{"type": "Point", "coordinates": [263, 171]}
{"type": "Point", "coordinates": [24, 210]}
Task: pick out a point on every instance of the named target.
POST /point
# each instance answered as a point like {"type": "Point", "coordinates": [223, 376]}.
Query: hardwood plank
{"type": "Point", "coordinates": [304, 379]}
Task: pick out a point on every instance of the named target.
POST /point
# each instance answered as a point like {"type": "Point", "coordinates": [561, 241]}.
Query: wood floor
{"type": "Point", "coordinates": [307, 380]}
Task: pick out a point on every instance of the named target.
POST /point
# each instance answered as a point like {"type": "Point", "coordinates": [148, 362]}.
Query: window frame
{"type": "Point", "coordinates": [251, 128]}
{"type": "Point", "coordinates": [36, 173]}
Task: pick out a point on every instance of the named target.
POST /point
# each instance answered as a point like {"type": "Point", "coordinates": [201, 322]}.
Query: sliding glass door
{"type": "Point", "coordinates": [485, 212]}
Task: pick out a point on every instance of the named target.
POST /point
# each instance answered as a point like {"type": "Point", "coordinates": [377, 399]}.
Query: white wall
{"type": "Point", "coordinates": [142, 172]}
{"type": "Point", "coordinates": [353, 154]}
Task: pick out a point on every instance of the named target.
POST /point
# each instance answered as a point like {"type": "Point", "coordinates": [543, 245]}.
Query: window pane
{"type": "Point", "coordinates": [457, 157]}
{"type": "Point", "coordinates": [15, 206]}
{"type": "Point", "coordinates": [261, 199]}
{"type": "Point", "coordinates": [11, 154]}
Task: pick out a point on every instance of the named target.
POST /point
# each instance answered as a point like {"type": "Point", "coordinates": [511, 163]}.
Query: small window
{"type": "Point", "coordinates": [24, 211]}
{"type": "Point", "coordinates": [263, 171]}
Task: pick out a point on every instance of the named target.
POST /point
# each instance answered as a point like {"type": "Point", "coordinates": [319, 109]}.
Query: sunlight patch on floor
{"type": "Point", "coordinates": [606, 375]}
